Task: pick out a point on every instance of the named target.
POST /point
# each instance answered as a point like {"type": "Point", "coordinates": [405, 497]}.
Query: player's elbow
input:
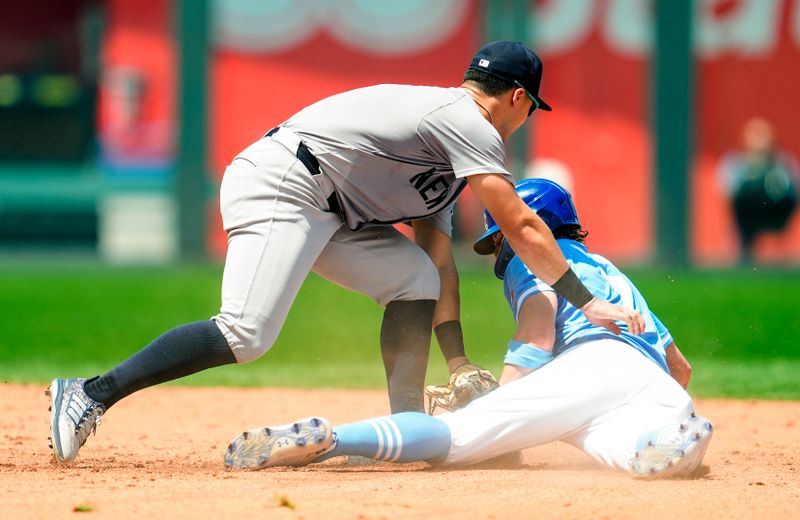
{"type": "Point", "coordinates": [682, 373]}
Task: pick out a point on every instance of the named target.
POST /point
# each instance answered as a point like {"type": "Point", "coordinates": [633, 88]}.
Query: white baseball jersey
{"type": "Point", "coordinates": [399, 152]}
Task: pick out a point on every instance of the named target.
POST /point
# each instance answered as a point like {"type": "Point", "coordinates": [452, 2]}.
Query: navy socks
{"type": "Point", "coordinates": [177, 353]}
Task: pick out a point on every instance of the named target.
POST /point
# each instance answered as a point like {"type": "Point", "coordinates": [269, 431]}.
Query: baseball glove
{"type": "Point", "coordinates": [467, 383]}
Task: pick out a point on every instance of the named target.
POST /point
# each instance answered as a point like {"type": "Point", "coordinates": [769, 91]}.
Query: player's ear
{"type": "Point", "coordinates": [519, 95]}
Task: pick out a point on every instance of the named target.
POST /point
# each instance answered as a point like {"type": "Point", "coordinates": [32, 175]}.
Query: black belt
{"type": "Point", "coordinates": [311, 163]}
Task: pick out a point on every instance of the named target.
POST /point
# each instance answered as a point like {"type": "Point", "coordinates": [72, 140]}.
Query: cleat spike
{"type": "Point", "coordinates": [675, 449]}
{"type": "Point", "coordinates": [293, 444]}
{"type": "Point", "coordinates": [245, 435]}
{"type": "Point", "coordinates": [693, 415]}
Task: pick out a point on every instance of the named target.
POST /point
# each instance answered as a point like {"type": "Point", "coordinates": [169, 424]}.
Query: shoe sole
{"type": "Point", "coordinates": [56, 394]}
{"type": "Point", "coordinates": [669, 460]}
{"type": "Point", "coordinates": [294, 444]}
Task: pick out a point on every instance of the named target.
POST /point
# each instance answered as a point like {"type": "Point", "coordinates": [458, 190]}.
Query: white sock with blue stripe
{"type": "Point", "coordinates": [402, 437]}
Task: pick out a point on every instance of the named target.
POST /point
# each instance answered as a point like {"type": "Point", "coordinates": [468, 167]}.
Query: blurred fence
{"type": "Point", "coordinates": [88, 110]}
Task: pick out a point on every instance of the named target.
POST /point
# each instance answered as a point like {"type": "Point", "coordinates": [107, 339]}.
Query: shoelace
{"type": "Point", "coordinates": [88, 423]}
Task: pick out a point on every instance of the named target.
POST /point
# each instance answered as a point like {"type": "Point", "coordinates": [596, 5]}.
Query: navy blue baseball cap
{"type": "Point", "coordinates": [514, 63]}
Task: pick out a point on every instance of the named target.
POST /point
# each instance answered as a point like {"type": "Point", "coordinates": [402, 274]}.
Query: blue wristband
{"type": "Point", "coordinates": [526, 355]}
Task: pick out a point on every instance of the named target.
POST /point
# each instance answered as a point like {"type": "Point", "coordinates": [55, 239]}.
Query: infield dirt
{"type": "Point", "coordinates": [158, 454]}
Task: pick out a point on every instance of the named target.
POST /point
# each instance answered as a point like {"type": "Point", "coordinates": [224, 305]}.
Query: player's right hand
{"type": "Point", "coordinates": [604, 314]}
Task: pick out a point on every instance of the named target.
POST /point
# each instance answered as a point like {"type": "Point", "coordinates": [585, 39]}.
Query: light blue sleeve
{"type": "Point", "coordinates": [526, 355]}
{"type": "Point", "coordinates": [520, 284]}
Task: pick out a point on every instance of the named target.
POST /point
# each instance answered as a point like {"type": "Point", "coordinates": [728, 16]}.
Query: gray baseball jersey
{"type": "Point", "coordinates": [391, 153]}
{"type": "Point", "coordinates": [399, 152]}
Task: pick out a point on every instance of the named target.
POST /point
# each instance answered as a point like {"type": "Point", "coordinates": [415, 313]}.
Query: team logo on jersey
{"type": "Point", "coordinates": [432, 187]}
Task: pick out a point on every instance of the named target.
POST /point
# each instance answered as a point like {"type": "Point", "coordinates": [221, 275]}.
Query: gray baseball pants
{"type": "Point", "coordinates": [279, 228]}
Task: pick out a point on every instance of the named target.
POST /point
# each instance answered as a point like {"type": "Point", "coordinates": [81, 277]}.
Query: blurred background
{"type": "Point", "coordinates": [674, 126]}
{"type": "Point", "coordinates": [117, 117]}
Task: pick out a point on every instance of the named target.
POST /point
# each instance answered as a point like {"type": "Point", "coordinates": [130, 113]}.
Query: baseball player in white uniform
{"type": "Point", "coordinates": [610, 395]}
{"type": "Point", "coordinates": [321, 192]}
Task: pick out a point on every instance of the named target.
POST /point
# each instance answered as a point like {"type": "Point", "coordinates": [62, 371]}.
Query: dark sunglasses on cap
{"type": "Point", "coordinates": [535, 104]}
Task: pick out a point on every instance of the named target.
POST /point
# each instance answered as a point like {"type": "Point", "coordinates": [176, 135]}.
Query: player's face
{"type": "Point", "coordinates": [497, 238]}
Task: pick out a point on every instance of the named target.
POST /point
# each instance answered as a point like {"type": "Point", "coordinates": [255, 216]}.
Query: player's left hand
{"type": "Point", "coordinates": [604, 314]}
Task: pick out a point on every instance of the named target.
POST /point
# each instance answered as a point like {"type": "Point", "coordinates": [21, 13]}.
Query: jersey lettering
{"type": "Point", "coordinates": [431, 187]}
{"type": "Point", "coordinates": [419, 179]}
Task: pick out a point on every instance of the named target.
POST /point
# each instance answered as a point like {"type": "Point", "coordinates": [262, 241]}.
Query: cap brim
{"type": "Point", "coordinates": [485, 244]}
{"type": "Point", "coordinates": [543, 105]}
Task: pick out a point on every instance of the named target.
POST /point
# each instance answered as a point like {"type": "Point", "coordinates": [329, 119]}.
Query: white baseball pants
{"type": "Point", "coordinates": [600, 396]}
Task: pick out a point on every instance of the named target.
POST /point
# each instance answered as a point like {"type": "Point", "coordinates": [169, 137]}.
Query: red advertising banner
{"type": "Point", "coordinates": [272, 58]}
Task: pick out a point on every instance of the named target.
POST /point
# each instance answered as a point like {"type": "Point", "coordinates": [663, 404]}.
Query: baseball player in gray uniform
{"type": "Point", "coordinates": [321, 192]}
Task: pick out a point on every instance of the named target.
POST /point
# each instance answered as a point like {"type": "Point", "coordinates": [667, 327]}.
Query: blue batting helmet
{"type": "Point", "coordinates": [548, 199]}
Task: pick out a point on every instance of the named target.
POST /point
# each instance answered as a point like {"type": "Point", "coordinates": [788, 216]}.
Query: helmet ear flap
{"type": "Point", "coordinates": [504, 256]}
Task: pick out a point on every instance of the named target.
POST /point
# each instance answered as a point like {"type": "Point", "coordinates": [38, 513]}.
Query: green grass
{"type": "Point", "coordinates": [738, 328]}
